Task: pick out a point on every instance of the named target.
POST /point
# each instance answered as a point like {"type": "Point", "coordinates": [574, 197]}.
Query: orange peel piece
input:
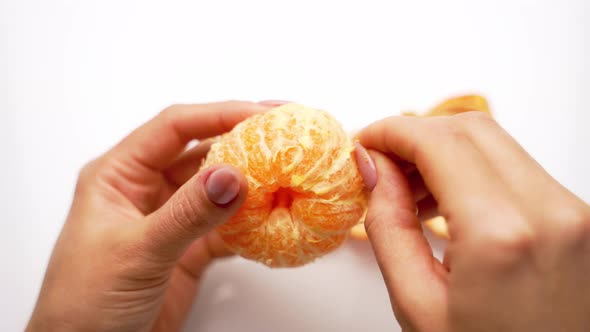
{"type": "Point", "coordinates": [358, 232]}
{"type": "Point", "coordinates": [305, 192]}
{"type": "Point", "coordinates": [459, 105]}
{"type": "Point", "coordinates": [438, 225]}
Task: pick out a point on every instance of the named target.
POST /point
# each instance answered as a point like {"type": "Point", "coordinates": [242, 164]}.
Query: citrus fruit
{"type": "Point", "coordinates": [438, 225]}
{"type": "Point", "coordinates": [304, 189]}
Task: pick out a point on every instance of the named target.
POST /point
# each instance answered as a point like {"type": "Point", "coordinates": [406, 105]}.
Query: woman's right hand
{"type": "Point", "coordinates": [519, 254]}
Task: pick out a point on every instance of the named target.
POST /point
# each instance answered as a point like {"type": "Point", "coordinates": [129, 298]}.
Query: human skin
{"type": "Point", "coordinates": [519, 254]}
{"type": "Point", "coordinates": [139, 233]}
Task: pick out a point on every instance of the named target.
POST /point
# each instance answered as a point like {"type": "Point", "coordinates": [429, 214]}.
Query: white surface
{"type": "Point", "coordinates": [75, 76]}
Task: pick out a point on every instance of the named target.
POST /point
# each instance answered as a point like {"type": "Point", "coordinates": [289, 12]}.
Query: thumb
{"type": "Point", "coordinates": [208, 199]}
{"type": "Point", "coordinates": [411, 273]}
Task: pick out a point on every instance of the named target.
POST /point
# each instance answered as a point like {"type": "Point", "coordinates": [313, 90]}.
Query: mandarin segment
{"type": "Point", "coordinates": [304, 190]}
{"type": "Point", "coordinates": [327, 216]}
{"type": "Point", "coordinates": [342, 185]}
{"type": "Point", "coordinates": [246, 219]}
{"type": "Point", "coordinates": [315, 245]}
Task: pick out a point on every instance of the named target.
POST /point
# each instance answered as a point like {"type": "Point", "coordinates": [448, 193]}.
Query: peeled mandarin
{"type": "Point", "coordinates": [305, 191]}
{"type": "Point", "coordinates": [438, 225]}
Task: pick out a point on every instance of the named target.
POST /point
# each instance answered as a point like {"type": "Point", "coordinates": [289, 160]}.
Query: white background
{"type": "Point", "coordinates": [75, 76]}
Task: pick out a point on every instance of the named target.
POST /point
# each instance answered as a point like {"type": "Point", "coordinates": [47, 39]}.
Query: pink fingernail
{"type": "Point", "coordinates": [223, 186]}
{"type": "Point", "coordinates": [366, 166]}
{"type": "Point", "coordinates": [273, 102]}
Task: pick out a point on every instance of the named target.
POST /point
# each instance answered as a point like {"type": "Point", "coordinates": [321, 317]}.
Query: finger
{"type": "Point", "coordinates": [427, 208]}
{"type": "Point", "coordinates": [406, 167]}
{"type": "Point", "coordinates": [453, 169]}
{"type": "Point", "coordinates": [185, 279]}
{"type": "Point", "coordinates": [366, 166]}
{"type": "Point", "coordinates": [157, 143]}
{"type": "Point", "coordinates": [447, 260]}
{"type": "Point", "coordinates": [417, 185]}
{"type": "Point", "coordinates": [405, 258]}
{"type": "Point", "coordinates": [430, 218]}
{"type": "Point", "coordinates": [201, 253]}
{"type": "Point", "coordinates": [274, 102]}
{"type": "Point", "coordinates": [367, 169]}
{"type": "Point", "coordinates": [209, 199]}
{"type": "Point", "coordinates": [188, 164]}
{"type": "Point", "coordinates": [518, 170]}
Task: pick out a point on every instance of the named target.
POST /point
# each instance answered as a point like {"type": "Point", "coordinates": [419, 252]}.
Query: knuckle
{"type": "Point", "coordinates": [572, 226]}
{"type": "Point", "coordinates": [183, 211]}
{"type": "Point", "coordinates": [475, 117]}
{"type": "Point", "coordinates": [186, 213]}
{"type": "Point", "coordinates": [171, 116]}
{"type": "Point", "coordinates": [503, 248]}
{"type": "Point", "coordinates": [134, 261]}
{"type": "Point", "coordinates": [171, 110]}
{"type": "Point", "coordinates": [421, 154]}
{"type": "Point", "coordinates": [231, 103]}
{"type": "Point", "coordinates": [375, 221]}
{"type": "Point", "coordinates": [86, 171]}
{"type": "Point", "coordinates": [448, 130]}
{"type": "Point", "coordinates": [170, 113]}
{"type": "Point", "coordinates": [442, 133]}
{"type": "Point", "coordinates": [87, 174]}
{"type": "Point", "coordinates": [381, 218]}
{"type": "Point", "coordinates": [222, 120]}
{"type": "Point", "coordinates": [371, 221]}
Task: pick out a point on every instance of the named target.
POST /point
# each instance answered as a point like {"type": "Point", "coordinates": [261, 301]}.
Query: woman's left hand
{"type": "Point", "coordinates": [139, 233]}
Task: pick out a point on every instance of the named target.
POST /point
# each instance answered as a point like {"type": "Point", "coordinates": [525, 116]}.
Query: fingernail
{"type": "Point", "coordinates": [366, 166]}
{"type": "Point", "coordinates": [274, 102]}
{"type": "Point", "coordinates": [223, 186]}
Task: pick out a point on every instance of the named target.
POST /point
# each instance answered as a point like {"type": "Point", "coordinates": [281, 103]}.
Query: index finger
{"type": "Point", "coordinates": [414, 278]}
{"type": "Point", "coordinates": [456, 173]}
{"type": "Point", "coordinates": [157, 143]}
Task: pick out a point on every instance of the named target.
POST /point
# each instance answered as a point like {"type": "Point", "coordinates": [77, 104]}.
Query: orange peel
{"type": "Point", "coordinates": [305, 192]}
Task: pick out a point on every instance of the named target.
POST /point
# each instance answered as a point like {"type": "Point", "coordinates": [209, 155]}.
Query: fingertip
{"type": "Point", "coordinates": [379, 159]}
{"type": "Point", "coordinates": [224, 185]}
{"type": "Point", "coordinates": [207, 200]}
{"type": "Point", "coordinates": [366, 166]}
{"type": "Point", "coordinates": [392, 187]}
